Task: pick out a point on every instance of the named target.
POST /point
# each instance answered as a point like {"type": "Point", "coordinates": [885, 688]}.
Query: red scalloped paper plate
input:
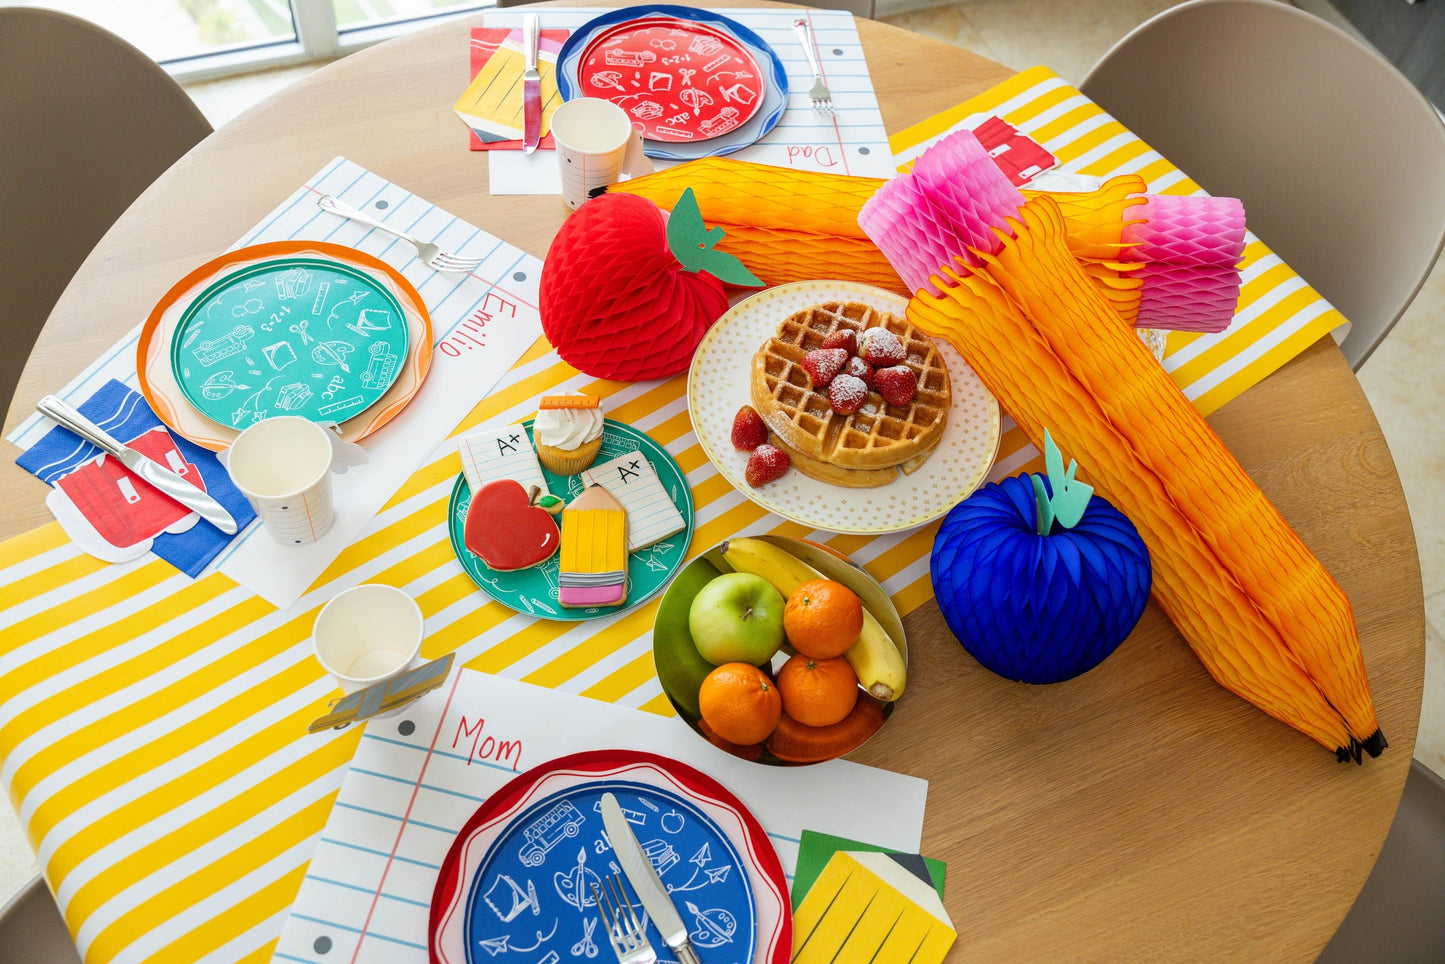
{"type": "Point", "coordinates": [447, 926]}
{"type": "Point", "coordinates": [153, 352]}
{"type": "Point", "coordinates": [678, 80]}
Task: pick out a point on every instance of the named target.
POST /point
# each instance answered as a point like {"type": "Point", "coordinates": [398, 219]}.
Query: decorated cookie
{"type": "Point", "coordinates": [594, 551]}
{"type": "Point", "coordinates": [509, 528]}
{"type": "Point", "coordinates": [568, 432]}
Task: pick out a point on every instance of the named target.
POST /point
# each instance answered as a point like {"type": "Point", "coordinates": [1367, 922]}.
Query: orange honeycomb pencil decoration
{"type": "Point", "coordinates": [594, 551]}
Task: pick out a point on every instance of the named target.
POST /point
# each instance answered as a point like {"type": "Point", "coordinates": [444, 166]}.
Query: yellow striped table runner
{"type": "Point", "coordinates": [152, 727]}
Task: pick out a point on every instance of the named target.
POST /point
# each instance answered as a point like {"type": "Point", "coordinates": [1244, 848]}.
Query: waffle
{"type": "Point", "coordinates": [878, 436]}
{"type": "Point", "coordinates": [847, 478]}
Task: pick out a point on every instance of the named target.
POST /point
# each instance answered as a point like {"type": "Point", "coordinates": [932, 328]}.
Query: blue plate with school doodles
{"type": "Point", "coordinates": [519, 879]}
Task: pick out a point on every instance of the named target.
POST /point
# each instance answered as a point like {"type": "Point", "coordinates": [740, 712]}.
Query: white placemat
{"type": "Point", "coordinates": [850, 141]}
{"type": "Point", "coordinates": [418, 777]}
{"type": "Point", "coordinates": [482, 322]}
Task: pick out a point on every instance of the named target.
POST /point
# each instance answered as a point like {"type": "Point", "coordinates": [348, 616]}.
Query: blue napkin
{"type": "Point", "coordinates": [125, 415]}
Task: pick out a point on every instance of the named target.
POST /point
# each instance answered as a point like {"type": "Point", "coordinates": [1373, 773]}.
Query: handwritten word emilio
{"type": "Point", "coordinates": [485, 747]}
{"type": "Point", "coordinates": [471, 334]}
{"type": "Point", "coordinates": [819, 156]}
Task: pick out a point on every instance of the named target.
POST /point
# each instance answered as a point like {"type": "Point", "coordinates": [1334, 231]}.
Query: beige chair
{"type": "Point", "coordinates": [32, 931]}
{"type": "Point", "coordinates": [1399, 917]}
{"type": "Point", "coordinates": [87, 122]}
{"type": "Point", "coordinates": [1339, 160]}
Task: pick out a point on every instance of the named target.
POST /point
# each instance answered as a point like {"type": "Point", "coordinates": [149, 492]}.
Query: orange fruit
{"type": "Point", "coordinates": [823, 618]}
{"type": "Point", "coordinates": [817, 692]}
{"type": "Point", "coordinates": [739, 703]}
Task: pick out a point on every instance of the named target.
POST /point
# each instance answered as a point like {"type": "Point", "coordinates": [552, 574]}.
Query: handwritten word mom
{"type": "Point", "coordinates": [485, 747]}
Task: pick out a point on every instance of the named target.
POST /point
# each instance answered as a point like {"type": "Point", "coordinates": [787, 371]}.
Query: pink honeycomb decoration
{"type": "Point", "coordinates": [1181, 297]}
{"type": "Point", "coordinates": [1186, 230]}
{"type": "Point", "coordinates": [950, 202]}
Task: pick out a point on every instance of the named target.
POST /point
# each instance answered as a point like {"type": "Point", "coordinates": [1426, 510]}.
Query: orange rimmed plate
{"type": "Point", "coordinates": [153, 353]}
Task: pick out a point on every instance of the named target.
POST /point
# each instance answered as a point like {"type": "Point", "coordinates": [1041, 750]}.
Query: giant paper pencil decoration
{"type": "Point", "coordinates": [738, 192]}
{"type": "Point", "coordinates": [1185, 297]}
{"type": "Point", "coordinates": [1245, 531]}
{"type": "Point", "coordinates": [1186, 230]}
{"type": "Point", "coordinates": [1095, 219]}
{"type": "Point", "coordinates": [594, 551]}
{"type": "Point", "coordinates": [779, 256]}
{"type": "Point", "coordinates": [1239, 647]}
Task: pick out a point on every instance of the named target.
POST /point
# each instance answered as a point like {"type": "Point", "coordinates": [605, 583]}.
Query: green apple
{"type": "Point", "coordinates": [737, 618]}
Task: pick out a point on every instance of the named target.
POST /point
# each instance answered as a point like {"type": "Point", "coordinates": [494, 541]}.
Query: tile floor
{"type": "Point", "coordinates": [1402, 379]}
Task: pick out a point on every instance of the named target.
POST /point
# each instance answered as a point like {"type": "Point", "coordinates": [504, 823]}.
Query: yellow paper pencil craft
{"type": "Point", "coordinates": [594, 551]}
{"type": "Point", "coordinates": [867, 907]}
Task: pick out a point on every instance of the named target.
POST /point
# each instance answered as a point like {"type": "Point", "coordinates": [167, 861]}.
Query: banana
{"type": "Point", "coordinates": [874, 658]}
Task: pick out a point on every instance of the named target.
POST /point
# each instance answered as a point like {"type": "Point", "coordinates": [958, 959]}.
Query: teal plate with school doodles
{"type": "Point", "coordinates": [534, 591]}
{"type": "Point", "coordinates": [289, 336]}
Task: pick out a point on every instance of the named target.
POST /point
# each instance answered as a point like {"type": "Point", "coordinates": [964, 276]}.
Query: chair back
{"type": "Point", "coordinates": [87, 122]}
{"type": "Point", "coordinates": [1339, 160]}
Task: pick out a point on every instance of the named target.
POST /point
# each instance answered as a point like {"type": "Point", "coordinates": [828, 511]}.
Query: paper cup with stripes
{"type": "Point", "coordinates": [596, 145]}
{"type": "Point", "coordinates": [283, 467]}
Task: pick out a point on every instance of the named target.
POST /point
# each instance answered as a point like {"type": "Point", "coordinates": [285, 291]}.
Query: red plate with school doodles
{"type": "Point", "coordinates": [679, 81]}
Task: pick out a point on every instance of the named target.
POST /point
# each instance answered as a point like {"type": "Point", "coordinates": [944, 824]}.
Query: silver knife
{"type": "Point", "coordinates": [154, 473]}
{"type": "Point", "coordinates": [644, 880]}
{"type": "Point", "coordinates": [531, 86]}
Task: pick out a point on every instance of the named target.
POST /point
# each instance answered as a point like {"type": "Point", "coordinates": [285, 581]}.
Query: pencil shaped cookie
{"type": "Point", "coordinates": [594, 551]}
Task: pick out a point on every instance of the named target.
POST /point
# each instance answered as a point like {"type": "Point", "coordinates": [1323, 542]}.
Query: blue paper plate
{"type": "Point", "coordinates": [533, 891]}
{"type": "Point", "coordinates": [775, 101]}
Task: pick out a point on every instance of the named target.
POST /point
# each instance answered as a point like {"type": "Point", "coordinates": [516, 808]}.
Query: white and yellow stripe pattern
{"type": "Point", "coordinates": [152, 727]}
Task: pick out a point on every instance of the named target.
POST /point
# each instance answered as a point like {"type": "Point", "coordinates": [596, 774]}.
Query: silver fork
{"type": "Point", "coordinates": [819, 95]}
{"type": "Point", "coordinates": [431, 255]}
{"type": "Point", "coordinates": [627, 933]}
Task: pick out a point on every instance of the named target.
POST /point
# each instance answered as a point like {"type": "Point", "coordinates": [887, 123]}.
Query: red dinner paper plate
{"type": "Point", "coordinates": [527, 807]}
{"type": "Point", "coordinates": [678, 80]}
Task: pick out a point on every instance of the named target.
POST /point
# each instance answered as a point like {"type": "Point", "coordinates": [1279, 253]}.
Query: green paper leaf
{"type": "Point", "coordinates": [1071, 497]}
{"type": "Point", "coordinates": [693, 245]}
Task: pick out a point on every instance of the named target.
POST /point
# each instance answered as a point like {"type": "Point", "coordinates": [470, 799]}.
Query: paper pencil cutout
{"type": "Point", "coordinates": [594, 551]}
{"type": "Point", "coordinates": [1258, 609]}
{"type": "Point", "coordinates": [815, 849]}
{"type": "Point", "coordinates": [868, 907]}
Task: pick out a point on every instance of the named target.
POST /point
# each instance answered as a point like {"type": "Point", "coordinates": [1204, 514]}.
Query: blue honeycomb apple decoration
{"type": "Point", "coordinates": [1039, 578]}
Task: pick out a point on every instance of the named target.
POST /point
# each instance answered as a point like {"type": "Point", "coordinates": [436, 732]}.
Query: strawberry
{"type": "Point", "coordinates": [847, 394]}
{"type": "Point", "coordinates": [897, 384]}
{"type": "Point", "coordinates": [748, 429]}
{"type": "Point", "coordinates": [844, 338]}
{"type": "Point", "coordinates": [767, 464]}
{"type": "Point", "coordinates": [858, 368]}
{"type": "Point", "coordinates": [822, 364]}
{"type": "Point", "coordinates": [880, 348]}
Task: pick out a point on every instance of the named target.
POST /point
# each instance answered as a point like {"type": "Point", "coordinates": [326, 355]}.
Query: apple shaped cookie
{"type": "Point", "coordinates": [507, 529]}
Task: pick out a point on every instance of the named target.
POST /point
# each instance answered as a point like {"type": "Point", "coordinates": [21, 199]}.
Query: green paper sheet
{"type": "Point", "coordinates": [815, 849]}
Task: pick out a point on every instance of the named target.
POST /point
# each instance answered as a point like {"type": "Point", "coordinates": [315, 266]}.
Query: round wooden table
{"type": "Point", "coordinates": [1137, 813]}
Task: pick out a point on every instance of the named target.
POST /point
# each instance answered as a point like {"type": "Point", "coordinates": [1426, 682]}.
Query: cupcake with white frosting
{"type": "Point", "coordinates": [567, 432]}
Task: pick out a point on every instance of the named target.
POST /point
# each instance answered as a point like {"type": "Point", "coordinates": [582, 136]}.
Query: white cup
{"type": "Point", "coordinates": [596, 145]}
{"type": "Point", "coordinates": [368, 635]}
{"type": "Point", "coordinates": [283, 467]}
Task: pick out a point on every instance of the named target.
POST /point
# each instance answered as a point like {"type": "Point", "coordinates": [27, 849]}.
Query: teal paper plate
{"type": "Point", "coordinates": [289, 336]}
{"type": "Point", "coordinates": [534, 591]}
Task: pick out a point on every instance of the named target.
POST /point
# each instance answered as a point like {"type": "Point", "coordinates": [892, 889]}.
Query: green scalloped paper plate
{"type": "Point", "coordinates": [289, 336]}
{"type": "Point", "coordinates": [534, 591]}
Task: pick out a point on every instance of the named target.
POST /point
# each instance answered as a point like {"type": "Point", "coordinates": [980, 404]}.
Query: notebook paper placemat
{"type": "Point", "coordinates": [482, 322]}
{"type": "Point", "coordinates": [852, 141]}
{"type": "Point", "coordinates": [418, 777]}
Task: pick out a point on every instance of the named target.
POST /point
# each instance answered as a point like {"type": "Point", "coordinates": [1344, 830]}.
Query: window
{"type": "Point", "coordinates": [198, 39]}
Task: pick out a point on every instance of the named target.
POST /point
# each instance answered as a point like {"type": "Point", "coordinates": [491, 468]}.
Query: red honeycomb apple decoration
{"type": "Point", "coordinates": [628, 292]}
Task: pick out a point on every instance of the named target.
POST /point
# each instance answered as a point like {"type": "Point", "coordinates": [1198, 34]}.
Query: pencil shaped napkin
{"type": "Point", "coordinates": [868, 907]}
{"type": "Point", "coordinates": [594, 551]}
{"type": "Point", "coordinates": [651, 514]}
{"type": "Point", "coordinates": [502, 452]}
